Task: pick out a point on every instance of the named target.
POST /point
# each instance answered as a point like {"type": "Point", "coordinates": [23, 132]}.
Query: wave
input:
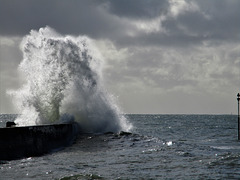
{"type": "Point", "coordinates": [64, 82]}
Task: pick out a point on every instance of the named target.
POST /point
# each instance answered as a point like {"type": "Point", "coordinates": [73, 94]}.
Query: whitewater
{"type": "Point", "coordinates": [64, 83]}
{"type": "Point", "coordinates": [159, 147]}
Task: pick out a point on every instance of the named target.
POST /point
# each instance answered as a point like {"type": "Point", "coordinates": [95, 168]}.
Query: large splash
{"type": "Point", "coordinates": [64, 83]}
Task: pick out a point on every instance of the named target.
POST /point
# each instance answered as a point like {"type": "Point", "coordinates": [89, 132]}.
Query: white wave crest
{"type": "Point", "coordinates": [64, 82]}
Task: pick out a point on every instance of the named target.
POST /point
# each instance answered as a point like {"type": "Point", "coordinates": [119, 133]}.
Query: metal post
{"type": "Point", "coordinates": [238, 98]}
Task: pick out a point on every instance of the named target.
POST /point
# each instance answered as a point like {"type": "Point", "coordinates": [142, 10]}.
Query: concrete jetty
{"type": "Point", "coordinates": [28, 141]}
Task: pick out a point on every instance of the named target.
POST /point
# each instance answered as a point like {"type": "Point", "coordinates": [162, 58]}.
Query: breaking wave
{"type": "Point", "coordinates": [64, 83]}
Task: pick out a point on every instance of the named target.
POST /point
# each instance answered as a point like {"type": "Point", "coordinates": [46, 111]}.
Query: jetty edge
{"type": "Point", "coordinates": [29, 141]}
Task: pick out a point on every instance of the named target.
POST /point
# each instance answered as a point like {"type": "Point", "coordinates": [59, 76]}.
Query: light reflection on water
{"type": "Point", "coordinates": [195, 147]}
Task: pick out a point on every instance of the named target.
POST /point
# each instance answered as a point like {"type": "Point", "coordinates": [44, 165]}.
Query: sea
{"type": "Point", "coordinates": [162, 146]}
{"type": "Point", "coordinates": [64, 82]}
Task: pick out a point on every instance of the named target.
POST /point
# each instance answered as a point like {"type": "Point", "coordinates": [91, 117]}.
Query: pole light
{"type": "Point", "coordinates": [238, 98]}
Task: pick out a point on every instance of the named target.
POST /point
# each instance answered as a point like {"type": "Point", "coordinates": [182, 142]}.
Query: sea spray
{"type": "Point", "coordinates": [64, 83]}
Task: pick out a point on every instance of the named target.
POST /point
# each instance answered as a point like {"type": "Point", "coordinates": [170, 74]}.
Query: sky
{"type": "Point", "coordinates": [161, 57]}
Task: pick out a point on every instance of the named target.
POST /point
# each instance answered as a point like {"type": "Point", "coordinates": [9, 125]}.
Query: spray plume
{"type": "Point", "coordinates": [64, 83]}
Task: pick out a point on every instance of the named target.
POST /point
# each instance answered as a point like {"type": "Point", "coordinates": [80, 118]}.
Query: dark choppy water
{"type": "Point", "coordinates": [160, 147]}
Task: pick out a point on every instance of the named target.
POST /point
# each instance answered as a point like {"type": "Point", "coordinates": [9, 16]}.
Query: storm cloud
{"type": "Point", "coordinates": [168, 56]}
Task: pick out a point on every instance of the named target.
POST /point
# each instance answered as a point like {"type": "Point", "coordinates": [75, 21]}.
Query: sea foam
{"type": "Point", "coordinates": [64, 82]}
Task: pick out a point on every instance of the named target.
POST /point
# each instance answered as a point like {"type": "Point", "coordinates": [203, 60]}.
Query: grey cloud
{"type": "Point", "coordinates": [10, 57]}
{"type": "Point", "coordinates": [177, 57]}
{"type": "Point", "coordinates": [113, 20]}
{"type": "Point", "coordinates": [68, 17]}
{"type": "Point", "coordinates": [138, 8]}
{"type": "Point", "coordinates": [158, 39]}
{"type": "Point", "coordinates": [200, 69]}
{"type": "Point", "coordinates": [216, 21]}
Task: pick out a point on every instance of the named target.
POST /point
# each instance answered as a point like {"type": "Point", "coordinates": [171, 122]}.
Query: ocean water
{"type": "Point", "coordinates": [158, 147]}
{"type": "Point", "coordinates": [64, 82]}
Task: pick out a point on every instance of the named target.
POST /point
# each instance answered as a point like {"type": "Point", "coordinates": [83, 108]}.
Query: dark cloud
{"type": "Point", "coordinates": [138, 9]}
{"type": "Point", "coordinates": [155, 46]}
{"type": "Point", "coordinates": [68, 17]}
{"type": "Point", "coordinates": [213, 20]}
{"type": "Point", "coordinates": [195, 23]}
{"type": "Point", "coordinates": [210, 21]}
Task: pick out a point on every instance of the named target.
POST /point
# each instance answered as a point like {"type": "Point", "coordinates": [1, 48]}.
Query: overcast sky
{"type": "Point", "coordinates": [168, 56]}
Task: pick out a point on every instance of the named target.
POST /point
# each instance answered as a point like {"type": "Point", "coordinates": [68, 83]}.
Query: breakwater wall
{"type": "Point", "coordinates": [20, 142]}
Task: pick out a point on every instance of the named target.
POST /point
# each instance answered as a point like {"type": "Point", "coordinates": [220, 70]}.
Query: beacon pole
{"type": "Point", "coordinates": [238, 98]}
